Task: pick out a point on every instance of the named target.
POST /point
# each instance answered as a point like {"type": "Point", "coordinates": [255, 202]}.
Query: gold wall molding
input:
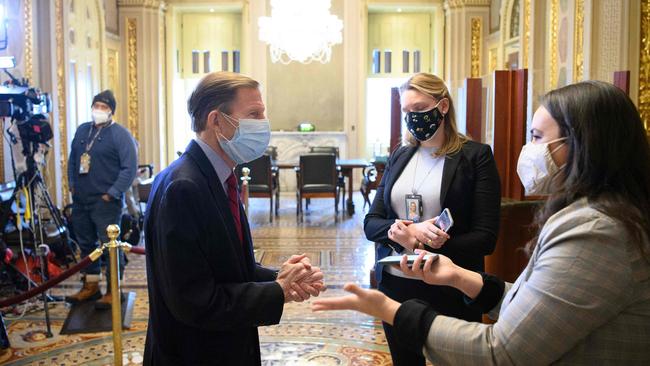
{"type": "Point", "coordinates": [132, 72]}
{"type": "Point", "coordinates": [101, 23]}
{"type": "Point", "coordinates": [61, 96]}
{"type": "Point", "coordinates": [152, 4]}
{"type": "Point", "coordinates": [113, 76]}
{"type": "Point", "coordinates": [525, 40]}
{"type": "Point", "coordinates": [554, 24]}
{"type": "Point", "coordinates": [29, 41]}
{"type": "Point", "coordinates": [493, 60]}
{"type": "Point", "coordinates": [475, 53]}
{"type": "Point", "coordinates": [644, 66]}
{"type": "Point", "coordinates": [451, 4]}
{"type": "Point", "coordinates": [578, 41]}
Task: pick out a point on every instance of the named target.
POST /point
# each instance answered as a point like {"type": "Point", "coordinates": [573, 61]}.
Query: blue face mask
{"type": "Point", "coordinates": [250, 140]}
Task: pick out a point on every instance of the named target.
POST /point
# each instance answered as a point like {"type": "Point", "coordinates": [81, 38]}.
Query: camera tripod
{"type": "Point", "coordinates": [32, 199]}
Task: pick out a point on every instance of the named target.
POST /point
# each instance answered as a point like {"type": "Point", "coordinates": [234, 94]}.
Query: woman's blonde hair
{"type": "Point", "coordinates": [434, 87]}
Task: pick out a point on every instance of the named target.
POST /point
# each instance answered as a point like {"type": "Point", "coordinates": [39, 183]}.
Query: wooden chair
{"type": "Point", "coordinates": [317, 177]}
{"type": "Point", "coordinates": [371, 179]}
{"type": "Point", "coordinates": [341, 179]}
{"type": "Point", "coordinates": [263, 182]}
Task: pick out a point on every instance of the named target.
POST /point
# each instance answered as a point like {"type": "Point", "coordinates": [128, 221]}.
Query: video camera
{"type": "Point", "coordinates": [27, 107]}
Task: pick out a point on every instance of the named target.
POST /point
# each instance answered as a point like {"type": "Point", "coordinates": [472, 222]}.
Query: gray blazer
{"type": "Point", "coordinates": [583, 299]}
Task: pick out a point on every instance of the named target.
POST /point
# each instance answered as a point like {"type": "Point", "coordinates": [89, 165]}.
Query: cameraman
{"type": "Point", "coordinates": [103, 163]}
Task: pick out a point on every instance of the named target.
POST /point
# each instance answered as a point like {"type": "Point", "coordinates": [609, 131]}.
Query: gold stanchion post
{"type": "Point", "coordinates": [113, 246]}
{"type": "Point", "coordinates": [244, 187]}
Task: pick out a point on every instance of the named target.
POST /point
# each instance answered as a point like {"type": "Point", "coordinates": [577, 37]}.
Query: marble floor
{"type": "Point", "coordinates": [301, 338]}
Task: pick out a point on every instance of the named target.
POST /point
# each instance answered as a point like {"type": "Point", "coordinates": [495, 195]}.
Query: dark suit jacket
{"type": "Point", "coordinates": [470, 189]}
{"type": "Point", "coordinates": [207, 296]}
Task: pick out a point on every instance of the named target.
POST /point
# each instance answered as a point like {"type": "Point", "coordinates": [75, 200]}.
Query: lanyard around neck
{"type": "Point", "coordinates": [89, 145]}
{"type": "Point", "coordinates": [415, 190]}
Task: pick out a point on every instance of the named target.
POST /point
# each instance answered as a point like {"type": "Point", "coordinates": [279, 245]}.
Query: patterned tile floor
{"type": "Point", "coordinates": [301, 338]}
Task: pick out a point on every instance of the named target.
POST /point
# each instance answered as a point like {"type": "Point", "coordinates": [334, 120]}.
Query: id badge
{"type": "Point", "coordinates": [84, 163]}
{"type": "Point", "coordinates": [413, 207]}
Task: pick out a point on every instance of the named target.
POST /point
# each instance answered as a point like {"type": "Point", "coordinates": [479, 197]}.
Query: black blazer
{"type": "Point", "coordinates": [207, 296]}
{"type": "Point", "coordinates": [470, 189]}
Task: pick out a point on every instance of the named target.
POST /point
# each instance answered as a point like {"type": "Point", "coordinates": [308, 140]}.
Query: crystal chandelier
{"type": "Point", "coordinates": [301, 30]}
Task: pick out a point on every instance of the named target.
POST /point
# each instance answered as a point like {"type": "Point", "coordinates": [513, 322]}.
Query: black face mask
{"type": "Point", "coordinates": [423, 125]}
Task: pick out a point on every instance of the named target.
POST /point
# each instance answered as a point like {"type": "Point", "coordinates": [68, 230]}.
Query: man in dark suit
{"type": "Point", "coordinates": [207, 296]}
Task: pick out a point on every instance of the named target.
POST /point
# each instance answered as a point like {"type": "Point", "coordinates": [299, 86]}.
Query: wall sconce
{"type": "Point", "coordinates": [195, 61]}
{"type": "Point", "coordinates": [376, 61]}
{"type": "Point", "coordinates": [405, 61]}
{"type": "Point", "coordinates": [206, 61]}
{"type": "Point", "coordinates": [387, 61]}
{"type": "Point", "coordinates": [235, 60]}
{"type": "Point", "coordinates": [224, 60]}
{"type": "Point", "coordinates": [416, 61]}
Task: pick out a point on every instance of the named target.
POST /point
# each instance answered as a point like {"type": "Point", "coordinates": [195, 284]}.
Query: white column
{"type": "Point", "coordinates": [146, 65]}
{"type": "Point", "coordinates": [458, 38]}
{"type": "Point", "coordinates": [254, 52]}
{"type": "Point", "coordinates": [355, 35]}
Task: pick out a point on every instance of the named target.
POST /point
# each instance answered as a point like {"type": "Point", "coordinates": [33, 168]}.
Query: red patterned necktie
{"type": "Point", "coordinates": [233, 202]}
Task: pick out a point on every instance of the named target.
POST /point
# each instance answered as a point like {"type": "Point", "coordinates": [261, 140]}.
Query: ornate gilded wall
{"type": "Point", "coordinates": [61, 100]}
{"type": "Point", "coordinates": [553, 25]}
{"type": "Point", "coordinates": [475, 52]}
{"type": "Point", "coordinates": [578, 49]}
{"type": "Point", "coordinates": [132, 70]}
{"type": "Point", "coordinates": [644, 66]}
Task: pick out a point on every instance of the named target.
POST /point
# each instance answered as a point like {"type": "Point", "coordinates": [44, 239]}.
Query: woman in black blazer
{"type": "Point", "coordinates": [437, 168]}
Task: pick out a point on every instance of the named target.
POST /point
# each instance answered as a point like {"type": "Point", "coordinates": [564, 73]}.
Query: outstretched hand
{"type": "Point", "coordinates": [371, 302]}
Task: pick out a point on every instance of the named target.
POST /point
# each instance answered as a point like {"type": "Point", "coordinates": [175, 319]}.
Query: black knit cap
{"type": "Point", "coordinates": [106, 97]}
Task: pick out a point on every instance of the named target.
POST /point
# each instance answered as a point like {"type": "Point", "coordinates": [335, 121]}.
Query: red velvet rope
{"type": "Point", "coordinates": [137, 250]}
{"type": "Point", "coordinates": [55, 281]}
{"type": "Point", "coordinates": [47, 285]}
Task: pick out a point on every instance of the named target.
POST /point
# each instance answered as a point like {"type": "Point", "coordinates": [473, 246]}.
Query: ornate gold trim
{"type": "Point", "coordinates": [151, 4]}
{"type": "Point", "coordinates": [525, 41]}
{"type": "Point", "coordinates": [29, 41]}
{"type": "Point", "coordinates": [493, 60]}
{"type": "Point", "coordinates": [553, 77]}
{"type": "Point", "coordinates": [475, 54]}
{"type": "Point", "coordinates": [102, 31]}
{"type": "Point", "coordinates": [644, 66]}
{"type": "Point", "coordinates": [112, 71]}
{"type": "Point", "coordinates": [451, 4]}
{"type": "Point", "coordinates": [578, 65]}
{"type": "Point", "coordinates": [61, 96]}
{"type": "Point", "coordinates": [132, 65]}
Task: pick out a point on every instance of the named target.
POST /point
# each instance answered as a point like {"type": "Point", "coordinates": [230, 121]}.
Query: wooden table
{"type": "Point", "coordinates": [347, 167]}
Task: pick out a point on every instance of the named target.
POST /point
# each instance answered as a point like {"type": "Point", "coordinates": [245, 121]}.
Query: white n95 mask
{"type": "Point", "coordinates": [536, 168]}
{"type": "Point", "coordinates": [100, 117]}
{"type": "Point", "coordinates": [250, 140]}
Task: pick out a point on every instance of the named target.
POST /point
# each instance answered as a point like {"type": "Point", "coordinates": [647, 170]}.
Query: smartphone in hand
{"type": "Point", "coordinates": [396, 259]}
{"type": "Point", "coordinates": [445, 221]}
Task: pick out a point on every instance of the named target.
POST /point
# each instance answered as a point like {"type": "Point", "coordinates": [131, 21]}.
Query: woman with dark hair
{"type": "Point", "coordinates": [437, 168]}
{"type": "Point", "coordinates": [584, 297]}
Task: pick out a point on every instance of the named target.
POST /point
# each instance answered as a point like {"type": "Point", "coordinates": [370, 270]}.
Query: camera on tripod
{"type": "Point", "coordinates": [28, 210]}
{"type": "Point", "coordinates": [27, 213]}
{"type": "Point", "coordinates": [30, 129]}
